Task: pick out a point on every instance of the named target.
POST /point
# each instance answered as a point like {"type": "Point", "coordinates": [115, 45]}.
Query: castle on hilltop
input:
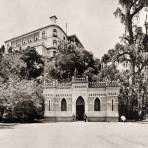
{"type": "Point", "coordinates": [45, 40]}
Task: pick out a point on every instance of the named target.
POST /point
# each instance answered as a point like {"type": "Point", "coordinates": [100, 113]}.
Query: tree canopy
{"type": "Point", "coordinates": [132, 53]}
{"type": "Point", "coordinates": [127, 11]}
{"type": "Point", "coordinates": [34, 64]}
{"type": "Point", "coordinates": [19, 84]}
{"type": "Point", "coordinates": [70, 58]}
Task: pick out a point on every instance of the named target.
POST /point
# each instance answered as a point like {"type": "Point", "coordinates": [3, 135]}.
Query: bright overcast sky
{"type": "Point", "coordinates": [91, 20]}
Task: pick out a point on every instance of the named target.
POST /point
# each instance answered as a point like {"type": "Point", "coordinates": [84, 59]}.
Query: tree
{"type": "Point", "coordinates": [109, 72]}
{"type": "Point", "coordinates": [34, 64]}
{"type": "Point", "coordinates": [10, 66]}
{"type": "Point", "coordinates": [70, 58]}
{"type": "Point", "coordinates": [16, 90]}
{"type": "Point", "coordinates": [127, 12]}
{"type": "Point", "coordinates": [25, 111]}
{"type": "Point", "coordinates": [130, 52]}
{"type": "Point", "coordinates": [15, 93]}
{"type": "Point", "coordinates": [133, 50]}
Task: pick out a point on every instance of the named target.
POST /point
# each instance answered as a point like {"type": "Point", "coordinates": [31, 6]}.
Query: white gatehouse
{"type": "Point", "coordinates": [98, 101]}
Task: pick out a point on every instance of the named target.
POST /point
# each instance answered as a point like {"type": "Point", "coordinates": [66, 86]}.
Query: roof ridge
{"type": "Point", "coordinates": [25, 34]}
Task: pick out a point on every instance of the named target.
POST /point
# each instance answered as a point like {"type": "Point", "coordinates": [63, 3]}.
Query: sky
{"type": "Point", "coordinates": [91, 20]}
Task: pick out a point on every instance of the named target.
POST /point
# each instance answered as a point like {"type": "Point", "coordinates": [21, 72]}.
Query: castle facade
{"type": "Point", "coordinates": [45, 40]}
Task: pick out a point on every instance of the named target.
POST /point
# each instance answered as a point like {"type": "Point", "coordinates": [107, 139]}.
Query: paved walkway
{"type": "Point", "coordinates": [74, 135]}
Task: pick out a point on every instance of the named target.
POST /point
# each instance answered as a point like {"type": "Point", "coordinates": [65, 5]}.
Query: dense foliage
{"type": "Point", "coordinates": [71, 60]}
{"type": "Point", "coordinates": [34, 64]}
{"type": "Point", "coordinates": [132, 52]}
{"type": "Point", "coordinates": [20, 91]}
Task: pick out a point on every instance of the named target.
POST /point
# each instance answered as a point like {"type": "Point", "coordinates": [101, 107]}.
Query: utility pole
{"type": "Point", "coordinates": [66, 28]}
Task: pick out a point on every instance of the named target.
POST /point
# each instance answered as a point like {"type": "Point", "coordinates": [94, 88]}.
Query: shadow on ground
{"type": "Point", "coordinates": [12, 125]}
{"type": "Point", "coordinates": [8, 125]}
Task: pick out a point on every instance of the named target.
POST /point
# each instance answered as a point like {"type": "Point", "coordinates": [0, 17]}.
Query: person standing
{"type": "Point", "coordinates": [85, 117]}
{"type": "Point", "coordinates": [123, 118]}
{"type": "Point", "coordinates": [73, 117]}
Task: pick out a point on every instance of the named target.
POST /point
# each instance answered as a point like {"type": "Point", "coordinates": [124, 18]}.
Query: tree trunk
{"type": "Point", "coordinates": [133, 73]}
{"type": "Point", "coordinates": [129, 27]}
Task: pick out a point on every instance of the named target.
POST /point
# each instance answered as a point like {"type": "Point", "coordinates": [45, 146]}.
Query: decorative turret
{"type": "Point", "coordinates": [80, 79]}
{"type": "Point", "coordinates": [53, 19]}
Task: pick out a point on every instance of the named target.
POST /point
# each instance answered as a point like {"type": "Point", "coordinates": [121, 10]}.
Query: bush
{"type": "Point", "coordinates": [1, 112]}
{"type": "Point", "coordinates": [25, 111]}
{"type": "Point", "coordinates": [7, 115]}
{"type": "Point", "coordinates": [133, 115]}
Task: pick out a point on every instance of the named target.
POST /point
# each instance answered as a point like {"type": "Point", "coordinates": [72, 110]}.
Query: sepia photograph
{"type": "Point", "coordinates": [73, 73]}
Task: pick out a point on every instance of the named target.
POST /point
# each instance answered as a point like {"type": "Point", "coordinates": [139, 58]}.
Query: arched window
{"type": "Point", "coordinates": [54, 33]}
{"type": "Point", "coordinates": [63, 105]}
{"type": "Point", "coordinates": [97, 106]}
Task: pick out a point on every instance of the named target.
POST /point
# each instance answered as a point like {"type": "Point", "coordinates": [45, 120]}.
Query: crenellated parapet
{"type": "Point", "coordinates": [80, 79]}
{"type": "Point", "coordinates": [98, 100]}
{"type": "Point", "coordinates": [103, 84]}
{"type": "Point", "coordinates": [77, 82]}
{"type": "Point", "coordinates": [57, 85]}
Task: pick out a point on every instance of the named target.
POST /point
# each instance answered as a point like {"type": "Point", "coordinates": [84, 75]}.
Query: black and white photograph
{"type": "Point", "coordinates": [74, 74]}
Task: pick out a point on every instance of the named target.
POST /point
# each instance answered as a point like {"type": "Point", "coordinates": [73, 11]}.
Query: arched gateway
{"type": "Point", "coordinates": [80, 108]}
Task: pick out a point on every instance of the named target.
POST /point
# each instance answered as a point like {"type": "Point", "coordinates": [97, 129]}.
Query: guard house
{"type": "Point", "coordinates": [97, 100]}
